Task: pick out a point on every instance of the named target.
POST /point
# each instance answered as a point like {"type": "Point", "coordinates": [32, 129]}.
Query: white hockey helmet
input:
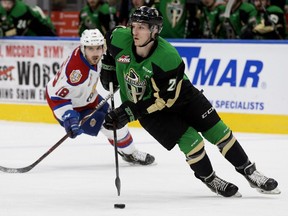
{"type": "Point", "coordinates": [91, 37]}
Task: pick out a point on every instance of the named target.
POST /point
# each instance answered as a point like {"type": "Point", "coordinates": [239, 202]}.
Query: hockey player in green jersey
{"type": "Point", "coordinates": [155, 91]}
{"type": "Point", "coordinates": [18, 19]}
{"type": "Point", "coordinates": [127, 7]}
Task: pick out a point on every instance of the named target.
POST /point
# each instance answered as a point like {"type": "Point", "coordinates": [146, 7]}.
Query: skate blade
{"type": "Point", "coordinates": [237, 195]}
{"type": "Point", "coordinates": [138, 164]}
{"type": "Point", "coordinates": [276, 191]}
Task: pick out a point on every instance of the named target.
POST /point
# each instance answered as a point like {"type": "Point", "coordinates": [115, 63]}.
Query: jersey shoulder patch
{"type": "Point", "coordinates": [75, 76]}
{"type": "Point", "coordinates": [76, 71]}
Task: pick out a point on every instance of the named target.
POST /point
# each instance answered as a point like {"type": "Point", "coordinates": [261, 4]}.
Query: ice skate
{"type": "Point", "coordinates": [220, 186]}
{"type": "Point", "coordinates": [262, 183]}
{"type": "Point", "coordinates": [138, 157]}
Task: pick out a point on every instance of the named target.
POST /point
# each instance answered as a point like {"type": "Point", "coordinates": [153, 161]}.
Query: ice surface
{"type": "Point", "coordinates": [77, 178]}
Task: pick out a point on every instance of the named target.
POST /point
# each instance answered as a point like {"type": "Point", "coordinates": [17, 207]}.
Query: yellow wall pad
{"type": "Point", "coordinates": [254, 123]}
{"type": "Point", "coordinates": [26, 113]}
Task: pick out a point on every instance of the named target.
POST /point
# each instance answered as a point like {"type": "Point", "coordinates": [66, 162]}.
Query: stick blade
{"type": "Point", "coordinates": [118, 185]}
{"type": "Point", "coordinates": [15, 170]}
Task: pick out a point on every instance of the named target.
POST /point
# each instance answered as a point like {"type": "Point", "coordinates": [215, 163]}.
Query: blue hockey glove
{"type": "Point", "coordinates": [71, 123]}
{"type": "Point", "coordinates": [108, 72]}
{"type": "Point", "coordinates": [120, 116]}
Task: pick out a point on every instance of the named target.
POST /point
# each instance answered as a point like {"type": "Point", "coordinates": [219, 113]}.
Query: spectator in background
{"type": "Point", "coordinates": [241, 21]}
{"type": "Point", "coordinates": [113, 13]}
{"type": "Point", "coordinates": [128, 7]}
{"type": "Point", "coordinates": [271, 23]}
{"type": "Point", "coordinates": [209, 24]}
{"type": "Point", "coordinates": [42, 15]}
{"type": "Point", "coordinates": [17, 18]}
{"type": "Point", "coordinates": [178, 18]}
{"type": "Point", "coordinates": [97, 14]}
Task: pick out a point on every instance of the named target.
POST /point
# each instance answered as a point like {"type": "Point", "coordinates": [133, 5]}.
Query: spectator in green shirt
{"type": "Point", "coordinates": [97, 14]}
{"type": "Point", "coordinates": [210, 11]}
{"type": "Point", "coordinates": [175, 18]}
{"type": "Point", "coordinates": [17, 18]}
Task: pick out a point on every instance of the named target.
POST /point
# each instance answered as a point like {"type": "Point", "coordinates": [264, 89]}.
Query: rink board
{"type": "Point", "coordinates": [244, 80]}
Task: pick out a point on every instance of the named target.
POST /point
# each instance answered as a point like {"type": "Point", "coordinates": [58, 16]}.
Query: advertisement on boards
{"type": "Point", "coordinates": [26, 68]}
{"type": "Point", "coordinates": [239, 77]}
{"type": "Point", "coordinates": [235, 77]}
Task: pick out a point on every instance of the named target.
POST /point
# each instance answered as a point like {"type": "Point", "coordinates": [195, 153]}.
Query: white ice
{"type": "Point", "coordinates": [77, 178]}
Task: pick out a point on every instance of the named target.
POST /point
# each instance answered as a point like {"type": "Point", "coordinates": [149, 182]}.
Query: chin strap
{"type": "Point", "coordinates": [151, 38]}
{"type": "Point", "coordinates": [148, 41]}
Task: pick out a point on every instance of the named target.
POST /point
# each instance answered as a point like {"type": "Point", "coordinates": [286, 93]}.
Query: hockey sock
{"type": "Point", "coordinates": [201, 167]}
{"type": "Point", "coordinates": [232, 151]}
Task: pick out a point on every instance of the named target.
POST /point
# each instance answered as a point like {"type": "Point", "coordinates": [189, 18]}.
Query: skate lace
{"type": "Point", "coordinates": [140, 156]}
{"type": "Point", "coordinates": [218, 184]}
{"type": "Point", "coordinates": [258, 178]}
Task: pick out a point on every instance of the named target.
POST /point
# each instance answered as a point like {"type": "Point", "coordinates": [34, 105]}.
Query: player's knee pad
{"type": "Point", "coordinates": [191, 144]}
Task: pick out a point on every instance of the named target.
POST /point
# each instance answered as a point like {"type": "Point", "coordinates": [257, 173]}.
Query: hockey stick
{"type": "Point", "coordinates": [117, 179]}
{"type": "Point", "coordinates": [228, 8]}
{"type": "Point", "coordinates": [28, 168]}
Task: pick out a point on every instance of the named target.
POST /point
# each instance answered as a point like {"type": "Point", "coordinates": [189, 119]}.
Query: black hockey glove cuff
{"type": "Point", "coordinates": [120, 116]}
{"type": "Point", "coordinates": [108, 72]}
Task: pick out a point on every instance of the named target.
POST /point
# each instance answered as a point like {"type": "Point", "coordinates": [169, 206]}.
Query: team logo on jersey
{"type": "Point", "coordinates": [75, 76]}
{"type": "Point", "coordinates": [174, 12]}
{"type": "Point", "coordinates": [135, 87]}
{"type": "Point", "coordinates": [124, 59]}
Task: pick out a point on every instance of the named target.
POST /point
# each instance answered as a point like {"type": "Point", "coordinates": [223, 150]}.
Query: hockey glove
{"type": "Point", "coordinates": [71, 123]}
{"type": "Point", "coordinates": [120, 116]}
{"type": "Point", "coordinates": [108, 72]}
